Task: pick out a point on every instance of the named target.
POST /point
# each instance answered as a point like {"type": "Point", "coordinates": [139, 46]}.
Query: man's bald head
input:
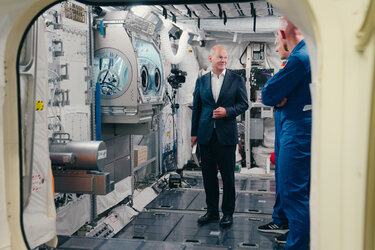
{"type": "Point", "coordinates": [290, 33]}
{"type": "Point", "coordinates": [216, 49]}
{"type": "Point", "coordinates": [218, 58]}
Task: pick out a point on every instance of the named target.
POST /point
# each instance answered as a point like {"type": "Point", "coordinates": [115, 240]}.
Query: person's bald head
{"type": "Point", "coordinates": [290, 33]}
{"type": "Point", "coordinates": [216, 48]}
{"type": "Point", "coordinates": [218, 58]}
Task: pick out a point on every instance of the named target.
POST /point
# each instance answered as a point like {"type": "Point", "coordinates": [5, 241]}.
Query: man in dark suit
{"type": "Point", "coordinates": [219, 97]}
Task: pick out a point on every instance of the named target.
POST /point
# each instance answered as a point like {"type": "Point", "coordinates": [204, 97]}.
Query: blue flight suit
{"type": "Point", "coordinates": [278, 215]}
{"type": "Point", "coordinates": [294, 148]}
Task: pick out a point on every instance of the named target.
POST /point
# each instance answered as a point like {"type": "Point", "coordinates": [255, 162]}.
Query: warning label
{"type": "Point", "coordinates": [37, 182]}
{"type": "Point", "coordinates": [102, 154]}
{"type": "Point", "coordinates": [39, 105]}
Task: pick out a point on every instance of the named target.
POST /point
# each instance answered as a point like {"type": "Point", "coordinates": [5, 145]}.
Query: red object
{"type": "Point", "coordinates": [272, 158]}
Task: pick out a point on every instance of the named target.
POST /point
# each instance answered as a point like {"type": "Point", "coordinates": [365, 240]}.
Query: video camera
{"type": "Point", "coordinates": [176, 78]}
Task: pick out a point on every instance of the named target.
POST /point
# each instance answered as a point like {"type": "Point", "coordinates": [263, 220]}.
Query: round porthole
{"type": "Point", "coordinates": [157, 79]}
{"type": "Point", "coordinates": [113, 71]}
{"type": "Point", "coordinates": [144, 78]}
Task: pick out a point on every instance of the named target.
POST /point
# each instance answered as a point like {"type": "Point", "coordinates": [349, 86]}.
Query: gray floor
{"type": "Point", "coordinates": [170, 221]}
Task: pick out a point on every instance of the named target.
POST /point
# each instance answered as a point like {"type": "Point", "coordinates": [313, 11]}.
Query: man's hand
{"type": "Point", "coordinates": [283, 102]}
{"type": "Point", "coordinates": [260, 98]}
{"type": "Point", "coordinates": [220, 112]}
{"type": "Point", "coordinates": [193, 140]}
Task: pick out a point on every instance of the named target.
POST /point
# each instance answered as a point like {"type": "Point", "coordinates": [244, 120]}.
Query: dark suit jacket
{"type": "Point", "coordinates": [232, 97]}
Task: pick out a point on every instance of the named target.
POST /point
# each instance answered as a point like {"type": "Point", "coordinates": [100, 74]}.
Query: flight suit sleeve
{"type": "Point", "coordinates": [283, 82]}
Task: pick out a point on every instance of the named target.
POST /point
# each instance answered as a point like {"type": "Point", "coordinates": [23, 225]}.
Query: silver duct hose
{"type": "Point", "coordinates": [166, 45]}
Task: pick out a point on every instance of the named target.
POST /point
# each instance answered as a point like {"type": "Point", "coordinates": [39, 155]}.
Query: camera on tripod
{"type": "Point", "coordinates": [176, 78]}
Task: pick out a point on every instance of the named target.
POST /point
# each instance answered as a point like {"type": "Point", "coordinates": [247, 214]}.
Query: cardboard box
{"type": "Point", "coordinates": [140, 155]}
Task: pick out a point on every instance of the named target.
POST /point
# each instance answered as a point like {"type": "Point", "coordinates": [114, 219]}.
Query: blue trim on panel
{"type": "Point", "coordinates": [98, 116]}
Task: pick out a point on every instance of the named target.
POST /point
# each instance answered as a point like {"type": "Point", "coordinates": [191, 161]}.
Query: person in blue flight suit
{"type": "Point", "coordinates": [279, 223]}
{"type": "Point", "coordinates": [292, 82]}
{"type": "Point", "coordinates": [219, 97]}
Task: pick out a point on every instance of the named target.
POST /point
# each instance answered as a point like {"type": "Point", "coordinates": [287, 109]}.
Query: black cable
{"type": "Point", "coordinates": [253, 14]}
{"type": "Point", "coordinates": [252, 9]}
{"type": "Point", "coordinates": [188, 10]}
{"type": "Point", "coordinates": [238, 8]}
{"type": "Point", "coordinates": [208, 10]}
{"type": "Point", "coordinates": [255, 21]}
{"type": "Point", "coordinates": [269, 10]}
{"type": "Point", "coordinates": [165, 13]}
{"type": "Point", "coordinates": [199, 19]}
{"type": "Point", "coordinates": [220, 11]}
{"type": "Point", "coordinates": [242, 55]}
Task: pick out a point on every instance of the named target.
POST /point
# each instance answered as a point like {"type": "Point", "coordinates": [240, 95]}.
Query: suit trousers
{"type": "Point", "coordinates": [214, 155]}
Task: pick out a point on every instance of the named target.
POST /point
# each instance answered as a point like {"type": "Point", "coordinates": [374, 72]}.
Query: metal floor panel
{"type": "Point", "coordinates": [255, 203]}
{"type": "Point", "coordinates": [260, 184]}
{"type": "Point", "coordinates": [199, 247]}
{"type": "Point", "coordinates": [196, 181]}
{"type": "Point", "coordinates": [242, 234]}
{"type": "Point", "coordinates": [113, 244]}
{"type": "Point", "coordinates": [150, 226]}
{"type": "Point", "coordinates": [142, 245]}
{"type": "Point", "coordinates": [81, 243]}
{"type": "Point", "coordinates": [173, 199]}
{"type": "Point", "coordinates": [199, 203]}
{"type": "Point", "coordinates": [117, 244]}
{"type": "Point", "coordinates": [171, 222]}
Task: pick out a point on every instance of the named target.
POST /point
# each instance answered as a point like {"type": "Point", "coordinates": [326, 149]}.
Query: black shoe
{"type": "Point", "coordinates": [208, 217]}
{"type": "Point", "coordinates": [226, 221]}
{"type": "Point", "coordinates": [273, 228]}
{"type": "Point", "coordinates": [281, 239]}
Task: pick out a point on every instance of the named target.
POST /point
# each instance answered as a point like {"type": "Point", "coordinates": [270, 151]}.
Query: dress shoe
{"type": "Point", "coordinates": [208, 217]}
{"type": "Point", "coordinates": [226, 221]}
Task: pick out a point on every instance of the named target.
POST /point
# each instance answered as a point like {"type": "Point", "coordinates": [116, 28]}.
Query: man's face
{"type": "Point", "coordinates": [219, 60]}
{"type": "Point", "coordinates": [281, 48]}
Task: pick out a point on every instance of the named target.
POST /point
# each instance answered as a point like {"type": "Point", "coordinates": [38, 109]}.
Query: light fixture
{"type": "Point", "coordinates": [140, 11]}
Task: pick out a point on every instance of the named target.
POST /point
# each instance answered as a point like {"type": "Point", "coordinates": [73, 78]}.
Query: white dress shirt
{"type": "Point", "coordinates": [216, 83]}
